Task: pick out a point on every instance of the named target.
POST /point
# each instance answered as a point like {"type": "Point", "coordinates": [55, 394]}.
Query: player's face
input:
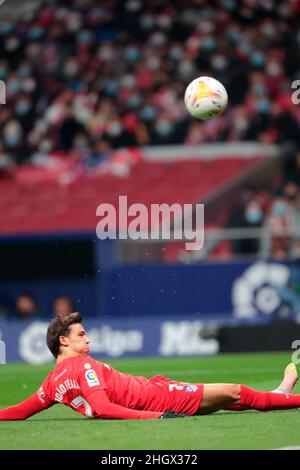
{"type": "Point", "coordinates": [78, 339]}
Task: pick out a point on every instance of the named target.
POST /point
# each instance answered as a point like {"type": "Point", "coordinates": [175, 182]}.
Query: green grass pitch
{"type": "Point", "coordinates": [61, 428]}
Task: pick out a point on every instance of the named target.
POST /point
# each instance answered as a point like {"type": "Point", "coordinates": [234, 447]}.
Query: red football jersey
{"type": "Point", "coordinates": [95, 389]}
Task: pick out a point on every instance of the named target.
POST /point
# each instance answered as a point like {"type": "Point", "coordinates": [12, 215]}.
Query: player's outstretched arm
{"type": "Point", "coordinates": [24, 410]}
{"type": "Point", "coordinates": [104, 409]}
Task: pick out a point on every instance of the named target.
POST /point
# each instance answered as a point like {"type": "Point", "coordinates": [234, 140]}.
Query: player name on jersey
{"type": "Point", "coordinates": [63, 388]}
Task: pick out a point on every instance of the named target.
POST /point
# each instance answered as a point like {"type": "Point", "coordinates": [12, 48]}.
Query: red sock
{"type": "Point", "coordinates": [266, 401]}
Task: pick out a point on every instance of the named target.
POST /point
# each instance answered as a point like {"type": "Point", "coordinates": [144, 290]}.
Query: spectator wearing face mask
{"type": "Point", "coordinates": [280, 226]}
{"type": "Point", "coordinates": [163, 131]}
{"type": "Point", "coordinates": [13, 138]}
{"type": "Point", "coordinates": [291, 194]}
{"type": "Point", "coordinates": [290, 294]}
{"type": "Point", "coordinates": [249, 214]}
{"type": "Point", "coordinates": [253, 217]}
{"type": "Point", "coordinates": [24, 112]}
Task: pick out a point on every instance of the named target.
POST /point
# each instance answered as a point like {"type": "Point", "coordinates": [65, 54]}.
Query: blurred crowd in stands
{"type": "Point", "coordinates": [84, 77]}
{"type": "Point", "coordinates": [277, 214]}
{"type": "Point", "coordinates": [26, 307]}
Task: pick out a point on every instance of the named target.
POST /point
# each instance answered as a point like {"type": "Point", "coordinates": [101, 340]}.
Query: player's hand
{"type": "Point", "coordinates": [171, 415]}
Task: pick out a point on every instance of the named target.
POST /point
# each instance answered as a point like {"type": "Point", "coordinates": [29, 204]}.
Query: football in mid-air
{"type": "Point", "coordinates": [205, 98]}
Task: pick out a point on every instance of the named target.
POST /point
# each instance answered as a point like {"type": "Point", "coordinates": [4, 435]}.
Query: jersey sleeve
{"type": "Point", "coordinates": [37, 402]}
{"type": "Point", "coordinates": [92, 378]}
{"type": "Point", "coordinates": [105, 409]}
{"type": "Point", "coordinates": [44, 393]}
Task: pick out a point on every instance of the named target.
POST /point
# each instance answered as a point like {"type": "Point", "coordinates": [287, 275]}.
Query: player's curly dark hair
{"type": "Point", "coordinates": [60, 326]}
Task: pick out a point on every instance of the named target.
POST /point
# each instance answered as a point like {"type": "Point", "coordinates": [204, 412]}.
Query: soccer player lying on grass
{"type": "Point", "coordinates": [96, 390]}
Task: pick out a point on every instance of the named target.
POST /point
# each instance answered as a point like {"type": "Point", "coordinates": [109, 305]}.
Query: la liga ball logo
{"type": "Point", "coordinates": [203, 91]}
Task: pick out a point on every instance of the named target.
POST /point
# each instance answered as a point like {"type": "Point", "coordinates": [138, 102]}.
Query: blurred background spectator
{"type": "Point", "coordinates": [249, 213]}
{"type": "Point", "coordinates": [290, 294]}
{"type": "Point", "coordinates": [63, 306]}
{"type": "Point", "coordinates": [27, 307]}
